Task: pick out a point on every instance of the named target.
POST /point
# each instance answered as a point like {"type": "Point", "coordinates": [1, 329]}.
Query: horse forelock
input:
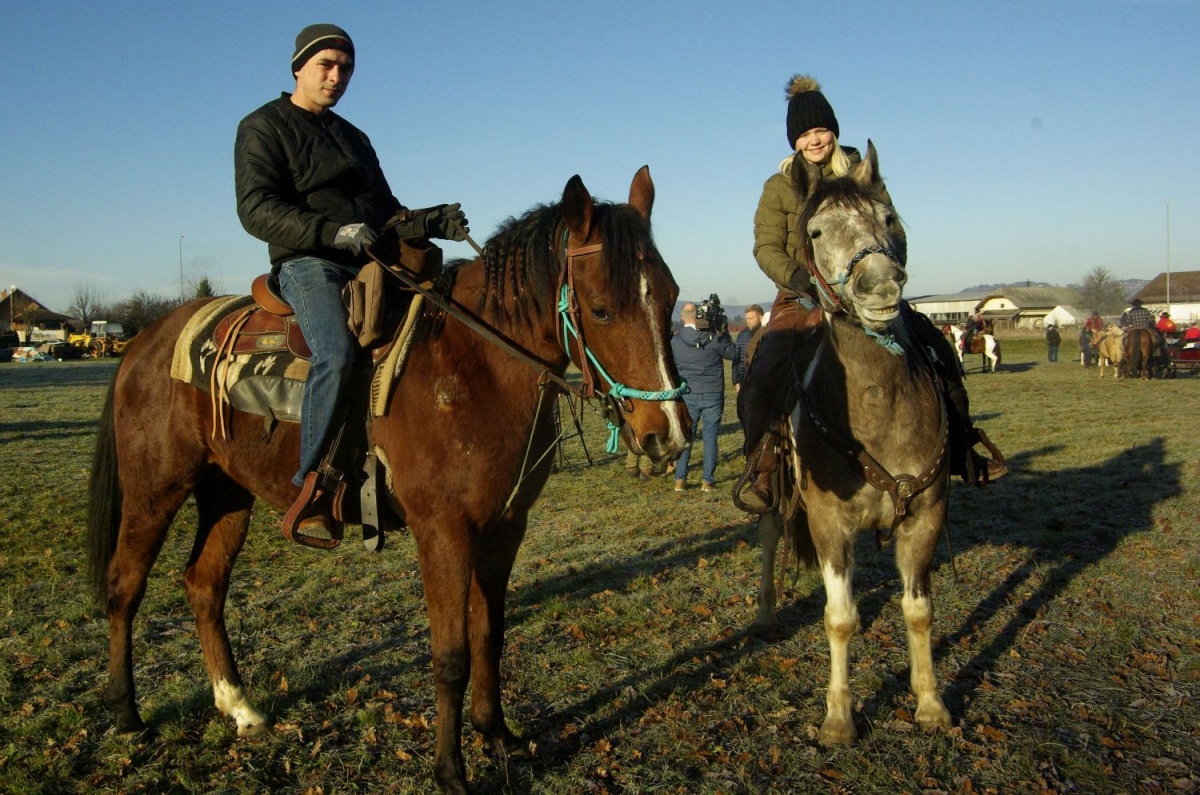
{"type": "Point", "coordinates": [841, 192]}
{"type": "Point", "coordinates": [522, 262]}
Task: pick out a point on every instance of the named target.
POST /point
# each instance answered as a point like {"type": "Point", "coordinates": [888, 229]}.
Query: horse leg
{"type": "Point", "coordinates": [492, 566]}
{"type": "Point", "coordinates": [914, 553]}
{"type": "Point", "coordinates": [770, 526]}
{"type": "Point", "coordinates": [841, 621]}
{"type": "Point", "coordinates": [144, 524]}
{"type": "Point", "coordinates": [224, 510]}
{"type": "Point", "coordinates": [445, 556]}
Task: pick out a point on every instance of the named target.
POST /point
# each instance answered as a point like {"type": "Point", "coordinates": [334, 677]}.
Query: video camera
{"type": "Point", "coordinates": [710, 316]}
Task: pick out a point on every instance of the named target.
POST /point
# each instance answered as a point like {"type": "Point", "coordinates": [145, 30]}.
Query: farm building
{"type": "Point", "coordinates": [33, 321]}
{"type": "Point", "coordinates": [1184, 300]}
{"type": "Point", "coordinates": [1025, 307]}
{"type": "Point", "coordinates": [1065, 316]}
{"type": "Point", "coordinates": [950, 307]}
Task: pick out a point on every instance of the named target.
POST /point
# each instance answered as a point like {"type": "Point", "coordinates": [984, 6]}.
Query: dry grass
{"type": "Point", "coordinates": [1067, 652]}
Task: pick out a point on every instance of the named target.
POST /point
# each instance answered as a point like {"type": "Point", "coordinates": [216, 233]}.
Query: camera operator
{"type": "Point", "coordinates": [699, 350]}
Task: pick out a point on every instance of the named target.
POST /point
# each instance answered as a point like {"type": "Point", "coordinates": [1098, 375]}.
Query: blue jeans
{"type": "Point", "coordinates": [313, 287]}
{"type": "Point", "coordinates": [1053, 353]}
{"type": "Point", "coordinates": [706, 409]}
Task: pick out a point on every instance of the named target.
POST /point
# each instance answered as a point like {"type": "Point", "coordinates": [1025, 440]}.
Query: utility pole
{"type": "Point", "coordinates": [1168, 203]}
{"type": "Point", "coordinates": [182, 297]}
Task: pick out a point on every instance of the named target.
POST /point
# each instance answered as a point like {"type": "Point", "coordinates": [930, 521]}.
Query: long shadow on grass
{"type": "Point", "coordinates": [1064, 537]}
{"type": "Point", "coordinates": [39, 429]}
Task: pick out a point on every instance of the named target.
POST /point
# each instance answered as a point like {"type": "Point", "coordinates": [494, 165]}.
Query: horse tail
{"type": "Point", "coordinates": [104, 501]}
{"type": "Point", "coordinates": [996, 342]}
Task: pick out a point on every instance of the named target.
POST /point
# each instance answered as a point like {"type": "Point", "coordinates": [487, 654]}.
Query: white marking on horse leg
{"type": "Point", "coordinates": [918, 616]}
{"type": "Point", "coordinates": [669, 407]}
{"type": "Point", "coordinates": [841, 620]}
{"type": "Point", "coordinates": [769, 526]}
{"type": "Point", "coordinates": [232, 701]}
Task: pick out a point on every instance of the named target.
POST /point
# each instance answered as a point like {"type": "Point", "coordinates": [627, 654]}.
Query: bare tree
{"type": "Point", "coordinates": [1102, 292]}
{"type": "Point", "coordinates": [141, 309]}
{"type": "Point", "coordinates": [84, 304]}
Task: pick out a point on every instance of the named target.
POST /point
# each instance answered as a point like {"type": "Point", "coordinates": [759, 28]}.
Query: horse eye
{"type": "Point", "coordinates": [600, 314]}
{"type": "Point", "coordinates": [814, 234]}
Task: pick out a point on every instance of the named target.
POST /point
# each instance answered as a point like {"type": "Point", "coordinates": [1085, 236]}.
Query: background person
{"type": "Point", "coordinates": [700, 356]}
{"type": "Point", "coordinates": [1053, 340]}
{"type": "Point", "coordinates": [754, 317]}
{"type": "Point", "coordinates": [1092, 324]}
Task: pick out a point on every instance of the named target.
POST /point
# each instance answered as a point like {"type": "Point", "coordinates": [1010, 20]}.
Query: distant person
{"type": "Point", "coordinates": [1136, 316]}
{"type": "Point", "coordinates": [1192, 334]}
{"type": "Point", "coordinates": [812, 134]}
{"type": "Point", "coordinates": [1093, 324]}
{"type": "Point", "coordinates": [973, 327]}
{"type": "Point", "coordinates": [1165, 324]}
{"type": "Point", "coordinates": [1053, 340]}
{"type": "Point", "coordinates": [700, 356]}
{"type": "Point", "coordinates": [754, 317]}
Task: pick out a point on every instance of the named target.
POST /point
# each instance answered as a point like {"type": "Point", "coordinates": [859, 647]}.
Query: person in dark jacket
{"type": "Point", "coordinates": [754, 316]}
{"type": "Point", "coordinates": [699, 355]}
{"type": "Point", "coordinates": [309, 184]}
{"type": "Point", "coordinates": [1053, 340]}
{"type": "Point", "coordinates": [812, 132]}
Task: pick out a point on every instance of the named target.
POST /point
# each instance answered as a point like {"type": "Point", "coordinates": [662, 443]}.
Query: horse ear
{"type": "Point", "coordinates": [866, 173]}
{"type": "Point", "coordinates": [577, 208]}
{"type": "Point", "coordinates": [805, 177]}
{"type": "Point", "coordinates": [641, 192]}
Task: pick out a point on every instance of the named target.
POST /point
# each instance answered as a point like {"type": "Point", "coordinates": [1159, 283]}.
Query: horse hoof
{"type": "Point", "coordinates": [836, 732]}
{"type": "Point", "coordinates": [505, 745]}
{"type": "Point", "coordinates": [254, 731]}
{"type": "Point", "coordinates": [765, 627]}
{"type": "Point", "coordinates": [936, 718]}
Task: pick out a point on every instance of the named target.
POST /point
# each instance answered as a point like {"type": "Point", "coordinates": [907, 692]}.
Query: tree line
{"type": "Point", "coordinates": [135, 312]}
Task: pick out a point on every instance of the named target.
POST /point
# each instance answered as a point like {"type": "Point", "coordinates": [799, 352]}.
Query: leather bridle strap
{"type": "Point", "coordinates": [572, 312]}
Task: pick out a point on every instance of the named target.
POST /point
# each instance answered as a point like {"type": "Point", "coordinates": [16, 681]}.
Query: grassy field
{"type": "Point", "coordinates": [1066, 632]}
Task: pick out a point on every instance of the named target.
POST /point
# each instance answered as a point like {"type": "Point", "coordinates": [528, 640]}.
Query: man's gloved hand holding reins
{"type": "Point", "coordinates": [443, 221]}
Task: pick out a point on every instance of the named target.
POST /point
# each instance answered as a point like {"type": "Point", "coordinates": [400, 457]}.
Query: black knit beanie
{"type": "Point", "coordinates": [315, 38]}
{"type": "Point", "coordinates": [807, 108]}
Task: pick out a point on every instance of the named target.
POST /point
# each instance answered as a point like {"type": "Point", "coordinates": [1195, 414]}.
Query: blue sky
{"type": "Point", "coordinates": [1020, 140]}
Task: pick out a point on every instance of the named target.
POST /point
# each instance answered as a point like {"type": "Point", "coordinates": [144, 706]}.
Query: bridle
{"type": "Point", "coordinates": [617, 395]}
{"type": "Point", "coordinates": [834, 300]}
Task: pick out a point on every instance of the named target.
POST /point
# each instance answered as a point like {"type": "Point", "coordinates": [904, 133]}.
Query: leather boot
{"type": "Point", "coordinates": [757, 497]}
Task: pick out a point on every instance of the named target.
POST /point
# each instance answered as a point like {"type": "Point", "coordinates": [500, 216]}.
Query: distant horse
{"type": "Point", "coordinates": [1110, 347]}
{"type": "Point", "coordinates": [1139, 348]}
{"type": "Point", "coordinates": [985, 344]}
{"type": "Point", "coordinates": [868, 407]}
{"type": "Point", "coordinates": [589, 266]}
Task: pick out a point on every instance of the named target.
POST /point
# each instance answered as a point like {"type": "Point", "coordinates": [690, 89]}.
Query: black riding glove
{"type": "Point", "coordinates": [444, 221]}
{"type": "Point", "coordinates": [447, 222]}
{"type": "Point", "coordinates": [355, 238]}
{"type": "Point", "coordinates": [800, 282]}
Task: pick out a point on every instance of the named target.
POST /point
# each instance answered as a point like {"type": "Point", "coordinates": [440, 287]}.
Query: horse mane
{"type": "Point", "coordinates": [523, 262]}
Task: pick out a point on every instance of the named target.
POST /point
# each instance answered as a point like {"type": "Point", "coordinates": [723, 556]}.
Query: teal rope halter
{"type": "Point", "coordinates": [615, 389]}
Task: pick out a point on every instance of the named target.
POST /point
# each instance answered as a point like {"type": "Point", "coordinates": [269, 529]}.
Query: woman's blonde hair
{"type": "Point", "coordinates": [839, 161]}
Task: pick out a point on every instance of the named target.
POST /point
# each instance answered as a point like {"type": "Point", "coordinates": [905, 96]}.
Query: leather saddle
{"type": "Point", "coordinates": [269, 325]}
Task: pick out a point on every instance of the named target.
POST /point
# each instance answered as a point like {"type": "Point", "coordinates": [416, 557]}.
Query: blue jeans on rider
{"type": "Point", "coordinates": [313, 287]}
{"type": "Point", "coordinates": [706, 409]}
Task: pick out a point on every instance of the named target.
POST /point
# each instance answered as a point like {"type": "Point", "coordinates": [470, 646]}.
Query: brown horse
{"type": "Point", "coordinates": [460, 399]}
{"type": "Point", "coordinates": [868, 406]}
{"type": "Point", "coordinates": [1138, 349]}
